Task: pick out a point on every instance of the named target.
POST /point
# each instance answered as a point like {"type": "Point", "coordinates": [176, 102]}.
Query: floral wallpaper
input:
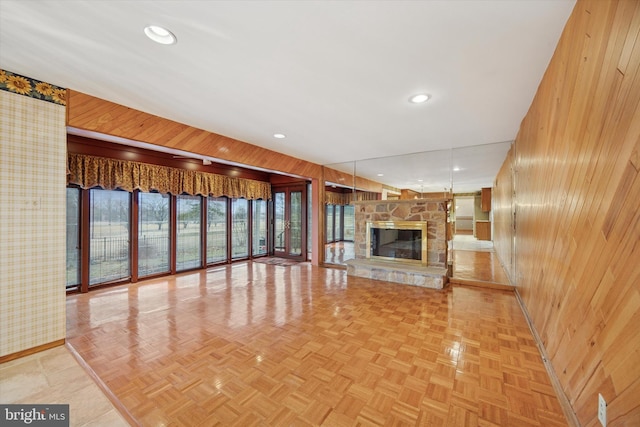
{"type": "Point", "coordinates": [32, 88]}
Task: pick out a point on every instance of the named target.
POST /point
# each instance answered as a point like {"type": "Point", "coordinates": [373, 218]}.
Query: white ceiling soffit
{"type": "Point", "coordinates": [333, 76]}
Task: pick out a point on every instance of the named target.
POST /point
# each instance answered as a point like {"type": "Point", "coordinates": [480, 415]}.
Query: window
{"type": "Point", "coordinates": [188, 233]}
{"type": "Point", "coordinates": [239, 229]}
{"type": "Point", "coordinates": [349, 223]}
{"type": "Point", "coordinates": [109, 230]}
{"type": "Point", "coordinates": [216, 229]}
{"type": "Point", "coordinates": [309, 222]}
{"type": "Point", "coordinates": [296, 223]}
{"type": "Point", "coordinates": [329, 224]}
{"type": "Point", "coordinates": [259, 227]}
{"type": "Point", "coordinates": [73, 237]}
{"type": "Point", "coordinates": [337, 223]}
{"type": "Point", "coordinates": [153, 233]}
{"type": "Point", "coordinates": [279, 221]}
{"type": "Point", "coordinates": [234, 229]}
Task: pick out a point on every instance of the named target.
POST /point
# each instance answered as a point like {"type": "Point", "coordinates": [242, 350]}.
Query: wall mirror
{"type": "Point", "coordinates": [458, 174]}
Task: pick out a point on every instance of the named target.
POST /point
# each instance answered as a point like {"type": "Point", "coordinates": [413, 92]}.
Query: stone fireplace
{"type": "Point", "coordinates": [395, 254]}
{"type": "Point", "coordinates": [402, 241]}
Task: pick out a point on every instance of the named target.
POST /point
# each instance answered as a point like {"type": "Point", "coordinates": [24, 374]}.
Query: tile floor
{"type": "Point", "coordinates": [465, 242]}
{"type": "Point", "coordinates": [55, 377]}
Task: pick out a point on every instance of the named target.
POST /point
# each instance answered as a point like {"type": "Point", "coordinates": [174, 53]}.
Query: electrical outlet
{"type": "Point", "coordinates": [602, 410]}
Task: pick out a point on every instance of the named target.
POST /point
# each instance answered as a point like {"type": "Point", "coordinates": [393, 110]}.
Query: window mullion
{"type": "Point", "coordinates": [85, 239]}
{"type": "Point", "coordinates": [133, 234]}
{"type": "Point", "coordinates": [173, 221]}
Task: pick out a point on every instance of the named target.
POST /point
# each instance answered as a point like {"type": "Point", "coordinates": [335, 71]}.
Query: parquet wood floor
{"type": "Point", "coordinates": [339, 252]}
{"type": "Point", "coordinates": [482, 267]}
{"type": "Point", "coordinates": [258, 345]}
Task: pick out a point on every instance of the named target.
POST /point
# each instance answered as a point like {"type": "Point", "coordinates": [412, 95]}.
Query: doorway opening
{"type": "Point", "coordinates": [464, 215]}
{"type": "Point", "coordinates": [290, 221]}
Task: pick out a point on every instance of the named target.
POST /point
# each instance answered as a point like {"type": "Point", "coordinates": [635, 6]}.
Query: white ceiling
{"type": "Point", "coordinates": [334, 76]}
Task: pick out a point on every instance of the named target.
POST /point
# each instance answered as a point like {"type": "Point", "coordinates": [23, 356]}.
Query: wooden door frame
{"type": "Point", "coordinates": [288, 189]}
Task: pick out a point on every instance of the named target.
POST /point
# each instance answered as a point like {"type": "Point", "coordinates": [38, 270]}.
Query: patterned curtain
{"type": "Point", "coordinates": [109, 174]}
{"type": "Point", "coordinates": [331, 198]}
{"type": "Point", "coordinates": [362, 196]}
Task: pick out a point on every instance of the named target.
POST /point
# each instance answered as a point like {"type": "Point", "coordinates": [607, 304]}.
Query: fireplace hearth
{"type": "Point", "coordinates": [409, 246]}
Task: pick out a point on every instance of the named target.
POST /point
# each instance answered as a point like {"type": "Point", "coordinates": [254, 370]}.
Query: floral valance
{"type": "Point", "coordinates": [331, 198]}
{"type": "Point", "coordinates": [362, 196]}
{"type": "Point", "coordinates": [91, 171]}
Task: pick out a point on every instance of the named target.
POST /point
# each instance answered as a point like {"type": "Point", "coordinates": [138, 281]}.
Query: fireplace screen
{"type": "Point", "coordinates": [404, 241]}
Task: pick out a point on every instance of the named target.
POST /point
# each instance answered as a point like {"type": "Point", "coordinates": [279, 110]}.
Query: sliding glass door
{"type": "Point", "coordinates": [109, 230]}
{"type": "Point", "coordinates": [348, 226]}
{"type": "Point", "coordinates": [329, 224]}
{"type": "Point", "coordinates": [239, 228]}
{"type": "Point", "coordinates": [116, 236]}
{"type": "Point", "coordinates": [189, 232]}
{"type": "Point", "coordinates": [73, 237]}
{"type": "Point", "coordinates": [259, 227]}
{"type": "Point", "coordinates": [154, 233]}
{"type": "Point", "coordinates": [216, 229]}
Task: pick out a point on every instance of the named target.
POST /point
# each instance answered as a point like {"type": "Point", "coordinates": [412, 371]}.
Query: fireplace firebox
{"type": "Point", "coordinates": [402, 241]}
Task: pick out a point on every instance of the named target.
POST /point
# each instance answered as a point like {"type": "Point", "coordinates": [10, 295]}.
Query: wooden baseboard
{"type": "Point", "coordinates": [334, 266]}
{"type": "Point", "coordinates": [32, 350]}
{"type": "Point", "coordinates": [571, 416]}
{"type": "Point", "coordinates": [480, 284]}
{"type": "Point", "coordinates": [102, 386]}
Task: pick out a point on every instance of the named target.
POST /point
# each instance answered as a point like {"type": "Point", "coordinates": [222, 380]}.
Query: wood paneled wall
{"type": "Point", "coordinates": [97, 115]}
{"type": "Point", "coordinates": [575, 170]}
{"type": "Point", "coordinates": [344, 178]}
{"type": "Point", "coordinates": [502, 207]}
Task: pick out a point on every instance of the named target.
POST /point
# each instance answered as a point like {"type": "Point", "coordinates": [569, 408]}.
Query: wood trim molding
{"type": "Point", "coordinates": [480, 284]}
{"type": "Point", "coordinates": [103, 387]}
{"type": "Point", "coordinates": [32, 350]}
{"type": "Point", "coordinates": [571, 416]}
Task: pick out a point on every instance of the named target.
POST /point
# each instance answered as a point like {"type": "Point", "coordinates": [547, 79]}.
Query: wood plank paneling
{"type": "Point", "coordinates": [574, 172]}
{"type": "Point", "coordinates": [344, 178]}
{"type": "Point", "coordinates": [97, 115]}
{"type": "Point", "coordinates": [503, 215]}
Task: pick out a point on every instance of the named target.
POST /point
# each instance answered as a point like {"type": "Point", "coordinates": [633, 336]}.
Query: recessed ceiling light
{"type": "Point", "coordinates": [279, 135]}
{"type": "Point", "coordinates": [420, 180]}
{"type": "Point", "coordinates": [419, 98]}
{"type": "Point", "coordinates": [380, 174]}
{"type": "Point", "coordinates": [160, 35]}
{"type": "Point", "coordinates": [456, 169]}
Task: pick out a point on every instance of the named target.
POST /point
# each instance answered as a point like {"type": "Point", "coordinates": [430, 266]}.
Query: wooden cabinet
{"type": "Point", "coordinates": [483, 230]}
{"type": "Point", "coordinates": [485, 199]}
